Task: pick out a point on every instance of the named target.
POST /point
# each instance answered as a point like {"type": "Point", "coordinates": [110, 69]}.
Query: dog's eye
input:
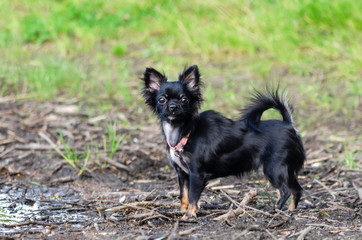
{"type": "Point", "coordinates": [162, 100]}
{"type": "Point", "coordinates": [184, 101]}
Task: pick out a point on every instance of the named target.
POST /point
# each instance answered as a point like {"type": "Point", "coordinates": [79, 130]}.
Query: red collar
{"type": "Point", "coordinates": [180, 145]}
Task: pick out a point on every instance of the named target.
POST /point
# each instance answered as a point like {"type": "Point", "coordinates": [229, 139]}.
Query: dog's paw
{"type": "Point", "coordinates": [188, 216]}
{"type": "Point", "coordinates": [190, 213]}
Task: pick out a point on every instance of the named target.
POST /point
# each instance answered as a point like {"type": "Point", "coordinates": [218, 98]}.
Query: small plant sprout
{"type": "Point", "coordinates": [85, 161]}
{"type": "Point", "coordinates": [114, 141]}
{"type": "Point", "coordinates": [95, 150]}
{"type": "Point", "coordinates": [72, 157]}
{"type": "Point", "coordinates": [349, 157]}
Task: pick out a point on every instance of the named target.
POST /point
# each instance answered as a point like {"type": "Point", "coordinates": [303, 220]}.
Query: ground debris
{"type": "Point", "coordinates": [134, 193]}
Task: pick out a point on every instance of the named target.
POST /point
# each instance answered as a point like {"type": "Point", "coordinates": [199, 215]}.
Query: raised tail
{"type": "Point", "coordinates": [261, 102]}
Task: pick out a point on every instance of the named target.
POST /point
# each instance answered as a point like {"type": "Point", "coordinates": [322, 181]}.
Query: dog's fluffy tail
{"type": "Point", "coordinates": [261, 102]}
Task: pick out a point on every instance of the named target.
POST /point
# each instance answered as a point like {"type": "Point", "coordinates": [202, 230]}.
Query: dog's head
{"type": "Point", "coordinates": [173, 101]}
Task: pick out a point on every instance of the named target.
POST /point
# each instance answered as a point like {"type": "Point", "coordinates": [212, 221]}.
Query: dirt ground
{"type": "Point", "coordinates": [134, 194]}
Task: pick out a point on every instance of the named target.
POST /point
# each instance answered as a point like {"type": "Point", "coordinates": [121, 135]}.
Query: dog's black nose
{"type": "Point", "coordinates": [173, 107]}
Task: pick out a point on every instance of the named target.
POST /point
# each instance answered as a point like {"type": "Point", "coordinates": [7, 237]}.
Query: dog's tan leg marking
{"type": "Point", "coordinates": [191, 212]}
{"type": "Point", "coordinates": [185, 198]}
{"type": "Point", "coordinates": [278, 193]}
{"type": "Point", "coordinates": [292, 204]}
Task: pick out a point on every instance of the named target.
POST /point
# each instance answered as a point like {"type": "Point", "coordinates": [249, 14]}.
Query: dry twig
{"type": "Point", "coordinates": [116, 164]}
{"type": "Point", "coordinates": [358, 189]}
{"type": "Point", "coordinates": [272, 235]}
{"type": "Point", "coordinates": [173, 233]}
{"type": "Point", "coordinates": [304, 232]}
{"type": "Point", "coordinates": [324, 186]}
{"type": "Point", "coordinates": [233, 213]}
{"type": "Point", "coordinates": [309, 162]}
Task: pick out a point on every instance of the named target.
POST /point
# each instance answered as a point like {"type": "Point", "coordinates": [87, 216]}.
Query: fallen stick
{"type": "Point", "coordinates": [358, 189]}
{"type": "Point", "coordinates": [148, 210]}
{"type": "Point", "coordinates": [188, 231]}
{"type": "Point", "coordinates": [234, 213]}
{"type": "Point", "coordinates": [17, 138]}
{"type": "Point", "coordinates": [53, 145]}
{"type": "Point", "coordinates": [272, 235]}
{"type": "Point", "coordinates": [223, 187]}
{"type": "Point", "coordinates": [116, 164]}
{"type": "Point", "coordinates": [326, 226]}
{"type": "Point", "coordinates": [7, 141]}
{"type": "Point", "coordinates": [62, 180]}
{"type": "Point", "coordinates": [351, 170]}
{"type": "Point", "coordinates": [8, 161]}
{"type": "Point", "coordinates": [136, 216]}
{"type": "Point", "coordinates": [247, 198]}
{"type": "Point", "coordinates": [309, 162]}
{"type": "Point", "coordinates": [304, 232]}
{"type": "Point", "coordinates": [36, 147]}
{"type": "Point", "coordinates": [173, 233]}
{"type": "Point", "coordinates": [6, 152]}
{"type": "Point", "coordinates": [143, 203]}
{"type": "Point", "coordinates": [14, 225]}
{"type": "Point", "coordinates": [325, 187]}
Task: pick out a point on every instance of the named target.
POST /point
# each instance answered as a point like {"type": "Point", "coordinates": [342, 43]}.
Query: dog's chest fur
{"type": "Point", "coordinates": [172, 136]}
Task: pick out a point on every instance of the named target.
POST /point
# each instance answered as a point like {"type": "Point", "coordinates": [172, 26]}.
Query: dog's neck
{"type": "Point", "coordinates": [175, 131]}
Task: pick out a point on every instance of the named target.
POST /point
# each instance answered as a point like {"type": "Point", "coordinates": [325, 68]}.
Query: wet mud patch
{"type": "Point", "coordinates": [28, 208]}
{"type": "Point", "coordinates": [133, 194]}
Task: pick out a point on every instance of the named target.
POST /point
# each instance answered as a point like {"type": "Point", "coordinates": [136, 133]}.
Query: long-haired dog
{"type": "Point", "coordinates": [206, 145]}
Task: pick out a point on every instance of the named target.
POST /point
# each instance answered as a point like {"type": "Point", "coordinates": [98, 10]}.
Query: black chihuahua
{"type": "Point", "coordinates": [206, 145]}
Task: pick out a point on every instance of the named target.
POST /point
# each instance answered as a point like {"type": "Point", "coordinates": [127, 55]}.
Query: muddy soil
{"type": "Point", "coordinates": [134, 193]}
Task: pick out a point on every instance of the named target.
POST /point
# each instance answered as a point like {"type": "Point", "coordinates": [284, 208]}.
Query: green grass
{"type": "Point", "coordinates": [72, 157]}
{"type": "Point", "coordinates": [79, 158]}
{"type": "Point", "coordinates": [97, 50]}
{"type": "Point", "coordinates": [113, 142]}
{"type": "Point", "coordinates": [349, 157]}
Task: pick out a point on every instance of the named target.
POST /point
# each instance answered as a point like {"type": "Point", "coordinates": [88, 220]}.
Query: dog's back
{"type": "Point", "coordinates": [224, 147]}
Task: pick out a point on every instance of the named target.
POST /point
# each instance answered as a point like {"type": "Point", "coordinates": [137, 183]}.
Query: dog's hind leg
{"type": "Point", "coordinates": [283, 195]}
{"type": "Point", "coordinates": [276, 176]}
{"type": "Point", "coordinates": [296, 190]}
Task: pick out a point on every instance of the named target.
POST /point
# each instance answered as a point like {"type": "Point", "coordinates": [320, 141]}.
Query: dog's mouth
{"type": "Point", "coordinates": [171, 117]}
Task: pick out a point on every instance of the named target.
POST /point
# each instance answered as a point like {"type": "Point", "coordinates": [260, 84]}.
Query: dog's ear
{"type": "Point", "coordinates": [191, 77]}
{"type": "Point", "coordinates": [153, 80]}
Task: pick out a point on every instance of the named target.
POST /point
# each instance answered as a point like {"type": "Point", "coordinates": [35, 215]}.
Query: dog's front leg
{"type": "Point", "coordinates": [183, 181]}
{"type": "Point", "coordinates": [196, 186]}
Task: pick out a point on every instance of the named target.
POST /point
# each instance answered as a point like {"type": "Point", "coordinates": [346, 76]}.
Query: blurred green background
{"type": "Point", "coordinates": [96, 51]}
